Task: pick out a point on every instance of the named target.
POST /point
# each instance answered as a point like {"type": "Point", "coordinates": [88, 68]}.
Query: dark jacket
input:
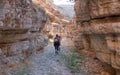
{"type": "Point", "coordinates": [56, 43]}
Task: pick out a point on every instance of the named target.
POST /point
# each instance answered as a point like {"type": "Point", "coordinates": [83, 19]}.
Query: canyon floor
{"type": "Point", "coordinates": [48, 63]}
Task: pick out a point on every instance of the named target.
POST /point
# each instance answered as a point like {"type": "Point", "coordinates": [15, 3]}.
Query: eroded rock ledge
{"type": "Point", "coordinates": [21, 22]}
{"type": "Point", "coordinates": [99, 22]}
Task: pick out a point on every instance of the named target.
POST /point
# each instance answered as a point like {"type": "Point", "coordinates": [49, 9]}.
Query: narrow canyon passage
{"type": "Point", "coordinates": [47, 63]}
{"type": "Point", "coordinates": [90, 31]}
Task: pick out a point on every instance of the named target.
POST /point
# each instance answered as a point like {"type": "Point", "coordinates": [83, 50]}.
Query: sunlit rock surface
{"type": "Point", "coordinates": [57, 21]}
{"type": "Point", "coordinates": [100, 26]}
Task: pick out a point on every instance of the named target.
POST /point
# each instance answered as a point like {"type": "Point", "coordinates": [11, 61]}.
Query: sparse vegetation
{"type": "Point", "coordinates": [73, 61]}
{"type": "Point", "coordinates": [73, 49]}
{"type": "Point", "coordinates": [50, 36]}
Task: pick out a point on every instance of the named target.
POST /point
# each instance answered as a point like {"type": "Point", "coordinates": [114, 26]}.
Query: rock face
{"type": "Point", "coordinates": [51, 9]}
{"type": "Point", "coordinates": [99, 26]}
{"type": "Point", "coordinates": [73, 33]}
{"type": "Point", "coordinates": [56, 18]}
{"type": "Point", "coordinates": [21, 22]}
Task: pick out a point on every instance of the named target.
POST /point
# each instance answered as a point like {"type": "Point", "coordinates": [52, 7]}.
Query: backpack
{"type": "Point", "coordinates": [56, 40]}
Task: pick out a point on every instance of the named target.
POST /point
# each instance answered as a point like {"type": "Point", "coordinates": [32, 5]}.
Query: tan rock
{"type": "Point", "coordinates": [100, 21]}
{"type": "Point", "coordinates": [21, 23]}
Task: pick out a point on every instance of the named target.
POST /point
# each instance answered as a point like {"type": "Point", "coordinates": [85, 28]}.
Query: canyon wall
{"type": "Point", "coordinates": [74, 33]}
{"type": "Point", "coordinates": [54, 14]}
{"type": "Point", "coordinates": [57, 21]}
{"type": "Point", "coordinates": [99, 22]}
{"type": "Point", "coordinates": [21, 22]}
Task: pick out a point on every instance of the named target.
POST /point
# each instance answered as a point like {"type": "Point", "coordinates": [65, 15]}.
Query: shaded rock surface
{"type": "Point", "coordinates": [21, 22]}
{"type": "Point", "coordinates": [99, 23]}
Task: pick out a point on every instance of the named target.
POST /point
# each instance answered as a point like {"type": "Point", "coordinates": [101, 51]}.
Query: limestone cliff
{"type": "Point", "coordinates": [51, 9]}
{"type": "Point", "coordinates": [100, 26]}
{"type": "Point", "coordinates": [21, 22]}
{"type": "Point", "coordinates": [56, 24]}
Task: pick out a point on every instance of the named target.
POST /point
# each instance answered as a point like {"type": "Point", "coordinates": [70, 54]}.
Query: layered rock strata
{"type": "Point", "coordinates": [54, 14]}
{"type": "Point", "coordinates": [57, 21]}
{"type": "Point", "coordinates": [21, 22]}
{"type": "Point", "coordinates": [74, 33]}
{"type": "Point", "coordinates": [99, 24]}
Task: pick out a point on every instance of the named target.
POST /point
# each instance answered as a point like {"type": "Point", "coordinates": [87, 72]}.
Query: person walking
{"type": "Point", "coordinates": [59, 38]}
{"type": "Point", "coordinates": [57, 43]}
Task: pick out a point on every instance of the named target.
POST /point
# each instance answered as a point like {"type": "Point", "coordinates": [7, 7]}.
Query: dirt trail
{"type": "Point", "coordinates": [47, 63]}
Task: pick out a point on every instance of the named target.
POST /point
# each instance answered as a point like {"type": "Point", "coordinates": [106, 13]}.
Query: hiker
{"type": "Point", "coordinates": [59, 38]}
{"type": "Point", "coordinates": [57, 43]}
